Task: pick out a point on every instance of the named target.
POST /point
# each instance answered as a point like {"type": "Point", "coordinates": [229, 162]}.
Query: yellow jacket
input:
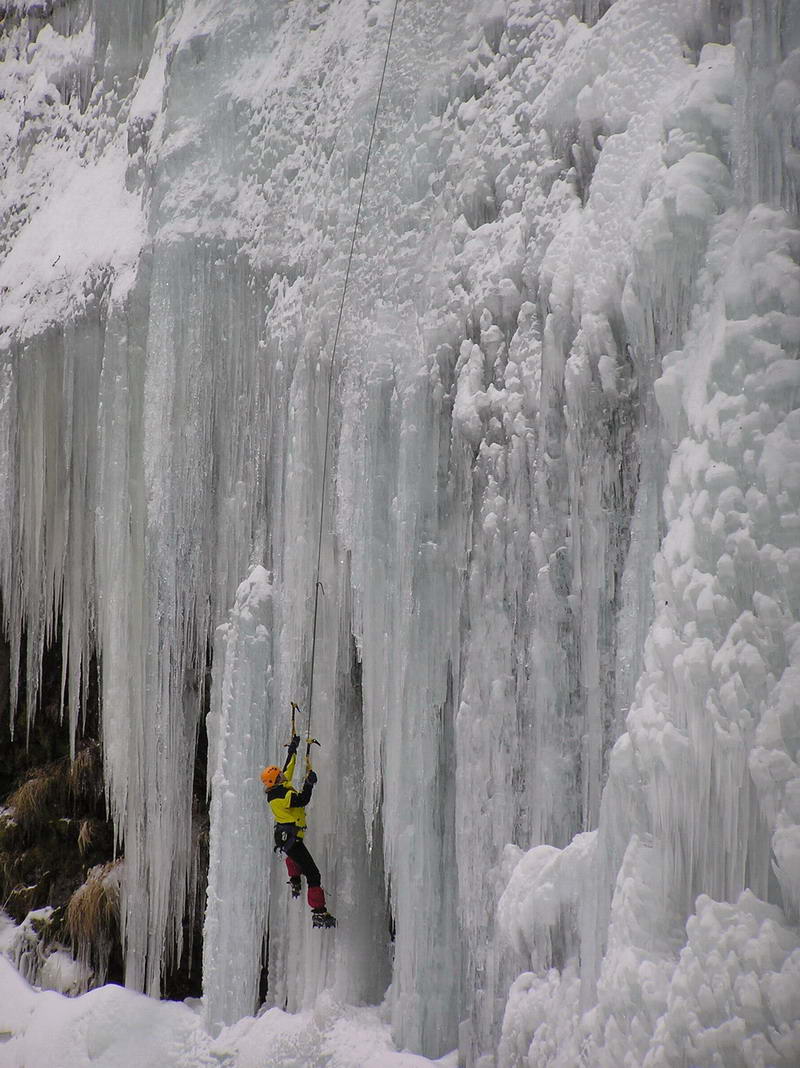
{"type": "Point", "coordinates": [288, 806]}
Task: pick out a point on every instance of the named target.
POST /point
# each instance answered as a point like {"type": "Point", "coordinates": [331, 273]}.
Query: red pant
{"type": "Point", "coordinates": [300, 862]}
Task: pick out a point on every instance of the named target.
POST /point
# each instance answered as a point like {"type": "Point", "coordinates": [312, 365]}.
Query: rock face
{"type": "Point", "coordinates": [555, 671]}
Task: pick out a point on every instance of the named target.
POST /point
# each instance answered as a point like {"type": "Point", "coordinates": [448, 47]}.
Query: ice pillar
{"type": "Point", "coordinates": [237, 898]}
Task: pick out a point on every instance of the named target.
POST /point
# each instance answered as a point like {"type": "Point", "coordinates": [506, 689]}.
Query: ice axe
{"type": "Point", "coordinates": [309, 743]}
{"type": "Point", "coordinates": [295, 709]}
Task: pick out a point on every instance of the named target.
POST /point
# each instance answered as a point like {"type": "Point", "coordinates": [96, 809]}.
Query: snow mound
{"type": "Point", "coordinates": [116, 1028]}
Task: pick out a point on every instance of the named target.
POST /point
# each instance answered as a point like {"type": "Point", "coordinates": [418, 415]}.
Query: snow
{"type": "Point", "coordinates": [89, 223]}
{"type": "Point", "coordinates": [87, 230]}
{"type": "Point", "coordinates": [557, 670]}
{"type": "Point", "coordinates": [115, 1028]}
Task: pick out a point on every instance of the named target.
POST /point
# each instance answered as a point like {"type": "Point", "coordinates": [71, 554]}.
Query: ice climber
{"type": "Point", "coordinates": [289, 809]}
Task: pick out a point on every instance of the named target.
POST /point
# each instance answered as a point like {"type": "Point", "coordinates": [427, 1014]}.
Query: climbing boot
{"type": "Point", "coordinates": [294, 885]}
{"type": "Point", "coordinates": [322, 918]}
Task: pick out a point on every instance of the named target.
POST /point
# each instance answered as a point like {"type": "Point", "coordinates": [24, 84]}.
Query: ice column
{"type": "Point", "coordinates": [236, 906]}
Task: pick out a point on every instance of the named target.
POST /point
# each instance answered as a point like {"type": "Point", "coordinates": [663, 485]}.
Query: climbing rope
{"type": "Point", "coordinates": [317, 583]}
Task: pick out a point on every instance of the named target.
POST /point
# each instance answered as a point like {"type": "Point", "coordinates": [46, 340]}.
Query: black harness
{"type": "Point", "coordinates": [285, 837]}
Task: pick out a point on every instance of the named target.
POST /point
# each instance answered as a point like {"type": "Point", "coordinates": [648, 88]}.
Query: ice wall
{"type": "Point", "coordinates": [685, 869]}
{"type": "Point", "coordinates": [555, 676]}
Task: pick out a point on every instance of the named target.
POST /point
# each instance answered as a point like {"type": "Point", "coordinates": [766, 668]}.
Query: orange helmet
{"type": "Point", "coordinates": [269, 776]}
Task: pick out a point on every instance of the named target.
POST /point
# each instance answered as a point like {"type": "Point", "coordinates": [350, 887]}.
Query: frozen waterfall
{"type": "Point", "coordinates": [557, 677]}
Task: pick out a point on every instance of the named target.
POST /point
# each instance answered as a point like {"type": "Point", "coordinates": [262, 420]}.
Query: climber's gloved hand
{"type": "Point", "coordinates": [311, 777]}
{"type": "Point", "coordinates": [295, 742]}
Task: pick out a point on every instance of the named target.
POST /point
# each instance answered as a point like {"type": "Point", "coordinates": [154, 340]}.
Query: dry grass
{"type": "Point", "coordinates": [8, 862]}
{"type": "Point", "coordinates": [93, 910]}
{"type": "Point", "coordinates": [92, 919]}
{"type": "Point", "coordinates": [9, 830]}
{"type": "Point", "coordinates": [30, 802]}
{"type": "Point", "coordinates": [20, 899]}
{"type": "Point", "coordinates": [86, 835]}
{"type": "Point", "coordinates": [85, 776]}
{"type": "Point", "coordinates": [46, 788]}
{"type": "Point", "coordinates": [15, 893]}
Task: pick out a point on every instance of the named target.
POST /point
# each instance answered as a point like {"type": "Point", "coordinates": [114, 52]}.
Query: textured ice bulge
{"type": "Point", "coordinates": [558, 657]}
